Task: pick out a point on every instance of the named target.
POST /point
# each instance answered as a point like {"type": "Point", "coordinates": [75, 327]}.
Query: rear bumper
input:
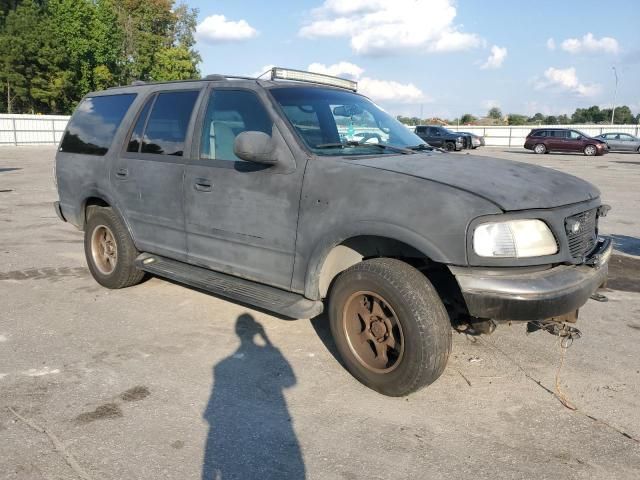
{"type": "Point", "coordinates": [537, 295]}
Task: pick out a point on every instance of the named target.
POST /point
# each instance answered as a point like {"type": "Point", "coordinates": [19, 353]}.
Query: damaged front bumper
{"type": "Point", "coordinates": [526, 295]}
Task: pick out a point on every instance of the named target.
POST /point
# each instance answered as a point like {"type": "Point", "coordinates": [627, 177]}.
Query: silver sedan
{"type": "Point", "coordinates": [622, 142]}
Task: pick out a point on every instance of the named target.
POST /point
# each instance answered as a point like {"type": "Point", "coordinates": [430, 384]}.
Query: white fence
{"type": "Point", "coordinates": [499, 136]}
{"type": "Point", "coordinates": [31, 129]}
{"type": "Point", "coordinates": [48, 130]}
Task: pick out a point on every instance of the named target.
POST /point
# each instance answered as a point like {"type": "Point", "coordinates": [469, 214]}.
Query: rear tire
{"type": "Point", "coordinates": [449, 146]}
{"type": "Point", "coordinates": [110, 251]}
{"type": "Point", "coordinates": [590, 150]}
{"type": "Point", "coordinates": [540, 148]}
{"type": "Point", "coordinates": [390, 327]}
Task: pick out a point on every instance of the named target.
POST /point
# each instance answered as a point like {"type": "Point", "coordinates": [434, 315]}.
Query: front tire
{"type": "Point", "coordinates": [110, 251]}
{"type": "Point", "coordinates": [390, 327]}
{"type": "Point", "coordinates": [449, 146]}
{"type": "Point", "coordinates": [590, 150]}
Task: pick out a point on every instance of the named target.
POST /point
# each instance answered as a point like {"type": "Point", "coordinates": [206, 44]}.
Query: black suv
{"type": "Point", "coordinates": [296, 194]}
{"type": "Point", "coordinates": [443, 138]}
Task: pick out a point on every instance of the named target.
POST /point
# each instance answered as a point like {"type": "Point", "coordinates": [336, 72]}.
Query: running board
{"type": "Point", "coordinates": [258, 295]}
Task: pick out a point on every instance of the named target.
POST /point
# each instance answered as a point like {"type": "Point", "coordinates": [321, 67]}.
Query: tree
{"type": "Point", "coordinates": [495, 113]}
{"type": "Point", "coordinates": [551, 120]}
{"type": "Point", "coordinates": [173, 63]}
{"type": "Point", "coordinates": [27, 57]}
{"type": "Point", "coordinates": [516, 119]}
{"type": "Point", "coordinates": [52, 52]}
{"type": "Point", "coordinates": [622, 115]}
{"type": "Point", "coordinates": [537, 118]}
{"type": "Point", "coordinates": [467, 118]}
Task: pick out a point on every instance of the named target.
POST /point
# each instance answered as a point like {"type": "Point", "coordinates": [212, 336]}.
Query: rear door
{"type": "Point", "coordinates": [422, 132]}
{"type": "Point", "coordinates": [613, 140]}
{"type": "Point", "coordinates": [241, 217]}
{"type": "Point", "coordinates": [148, 174]}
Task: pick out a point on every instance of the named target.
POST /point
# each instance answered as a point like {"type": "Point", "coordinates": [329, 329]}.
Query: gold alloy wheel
{"type": "Point", "coordinates": [373, 332]}
{"type": "Point", "coordinates": [104, 249]}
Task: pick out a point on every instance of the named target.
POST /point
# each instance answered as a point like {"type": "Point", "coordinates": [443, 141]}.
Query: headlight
{"type": "Point", "coordinates": [516, 239]}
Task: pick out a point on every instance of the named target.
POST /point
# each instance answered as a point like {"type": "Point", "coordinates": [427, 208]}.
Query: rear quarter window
{"type": "Point", "coordinates": [94, 124]}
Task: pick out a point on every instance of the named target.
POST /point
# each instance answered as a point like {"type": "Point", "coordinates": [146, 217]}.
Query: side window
{"type": "Point", "coordinates": [94, 124]}
{"type": "Point", "coordinates": [422, 130]}
{"type": "Point", "coordinates": [168, 123]}
{"type": "Point", "coordinates": [573, 135]}
{"type": "Point", "coordinates": [434, 131]}
{"type": "Point", "coordinates": [135, 141]}
{"type": "Point", "coordinates": [625, 137]}
{"type": "Point", "coordinates": [229, 113]}
{"type": "Point", "coordinates": [540, 133]}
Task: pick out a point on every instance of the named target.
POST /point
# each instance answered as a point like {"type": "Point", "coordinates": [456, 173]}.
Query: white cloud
{"type": "Point", "coordinates": [590, 44]}
{"type": "Point", "coordinates": [495, 60]}
{"type": "Point", "coordinates": [217, 29]}
{"type": "Point", "coordinates": [390, 91]}
{"type": "Point", "coordinates": [378, 90]}
{"type": "Point", "coordinates": [567, 80]}
{"type": "Point", "coordinates": [377, 27]}
{"type": "Point", "coordinates": [551, 44]}
{"type": "Point", "coordinates": [261, 71]}
{"type": "Point", "coordinates": [340, 69]}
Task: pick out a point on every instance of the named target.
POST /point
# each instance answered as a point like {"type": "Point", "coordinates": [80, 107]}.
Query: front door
{"type": "Point", "coordinates": [148, 175]}
{"type": "Point", "coordinates": [575, 141]}
{"type": "Point", "coordinates": [241, 217]}
{"type": "Point", "coordinates": [435, 137]}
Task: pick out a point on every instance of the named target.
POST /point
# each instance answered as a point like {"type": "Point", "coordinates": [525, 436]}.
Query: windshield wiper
{"type": "Point", "coordinates": [355, 143]}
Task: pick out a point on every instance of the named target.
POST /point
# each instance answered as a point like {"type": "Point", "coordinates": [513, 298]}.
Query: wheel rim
{"type": "Point", "coordinates": [590, 150]}
{"type": "Point", "coordinates": [540, 148]}
{"type": "Point", "coordinates": [104, 249]}
{"type": "Point", "coordinates": [373, 332]}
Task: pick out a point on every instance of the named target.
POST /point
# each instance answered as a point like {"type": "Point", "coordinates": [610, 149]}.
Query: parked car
{"type": "Point", "coordinates": [441, 137]}
{"type": "Point", "coordinates": [545, 140]}
{"type": "Point", "coordinates": [621, 142]}
{"type": "Point", "coordinates": [476, 140]}
{"type": "Point", "coordinates": [243, 187]}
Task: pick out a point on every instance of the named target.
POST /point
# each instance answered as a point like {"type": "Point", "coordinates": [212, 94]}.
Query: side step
{"type": "Point", "coordinates": [262, 296]}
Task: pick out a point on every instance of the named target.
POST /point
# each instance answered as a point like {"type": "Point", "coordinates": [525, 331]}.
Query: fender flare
{"type": "Point", "coordinates": [95, 192]}
{"type": "Point", "coordinates": [358, 229]}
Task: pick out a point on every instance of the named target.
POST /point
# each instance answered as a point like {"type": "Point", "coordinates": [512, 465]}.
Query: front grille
{"type": "Point", "coordinates": [584, 240]}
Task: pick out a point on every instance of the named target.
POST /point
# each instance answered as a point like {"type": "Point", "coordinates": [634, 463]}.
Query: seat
{"type": "Point", "coordinates": [219, 144]}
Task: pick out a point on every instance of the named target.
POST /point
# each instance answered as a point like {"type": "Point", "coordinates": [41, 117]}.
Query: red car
{"type": "Point", "coordinates": [545, 140]}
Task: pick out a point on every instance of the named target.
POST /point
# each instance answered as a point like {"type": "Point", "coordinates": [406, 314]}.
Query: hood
{"type": "Point", "coordinates": [508, 184]}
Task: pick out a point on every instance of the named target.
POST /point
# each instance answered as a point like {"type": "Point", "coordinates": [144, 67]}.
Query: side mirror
{"type": "Point", "coordinates": [255, 147]}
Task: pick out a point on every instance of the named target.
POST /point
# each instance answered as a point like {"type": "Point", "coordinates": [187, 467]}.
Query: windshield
{"type": "Point", "coordinates": [334, 122]}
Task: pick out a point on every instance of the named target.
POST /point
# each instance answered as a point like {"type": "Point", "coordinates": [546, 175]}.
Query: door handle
{"type": "Point", "coordinates": [122, 173]}
{"type": "Point", "coordinates": [203, 185]}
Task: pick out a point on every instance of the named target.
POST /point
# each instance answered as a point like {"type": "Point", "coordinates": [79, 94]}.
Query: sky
{"type": "Point", "coordinates": [438, 58]}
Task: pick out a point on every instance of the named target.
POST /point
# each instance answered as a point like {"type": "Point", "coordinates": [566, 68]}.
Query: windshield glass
{"type": "Point", "coordinates": [334, 122]}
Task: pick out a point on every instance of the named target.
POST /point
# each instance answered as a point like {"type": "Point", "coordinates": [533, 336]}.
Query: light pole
{"type": "Point", "coordinates": [615, 92]}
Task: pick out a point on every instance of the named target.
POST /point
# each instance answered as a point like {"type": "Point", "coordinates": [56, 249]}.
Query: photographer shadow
{"type": "Point", "coordinates": [250, 430]}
